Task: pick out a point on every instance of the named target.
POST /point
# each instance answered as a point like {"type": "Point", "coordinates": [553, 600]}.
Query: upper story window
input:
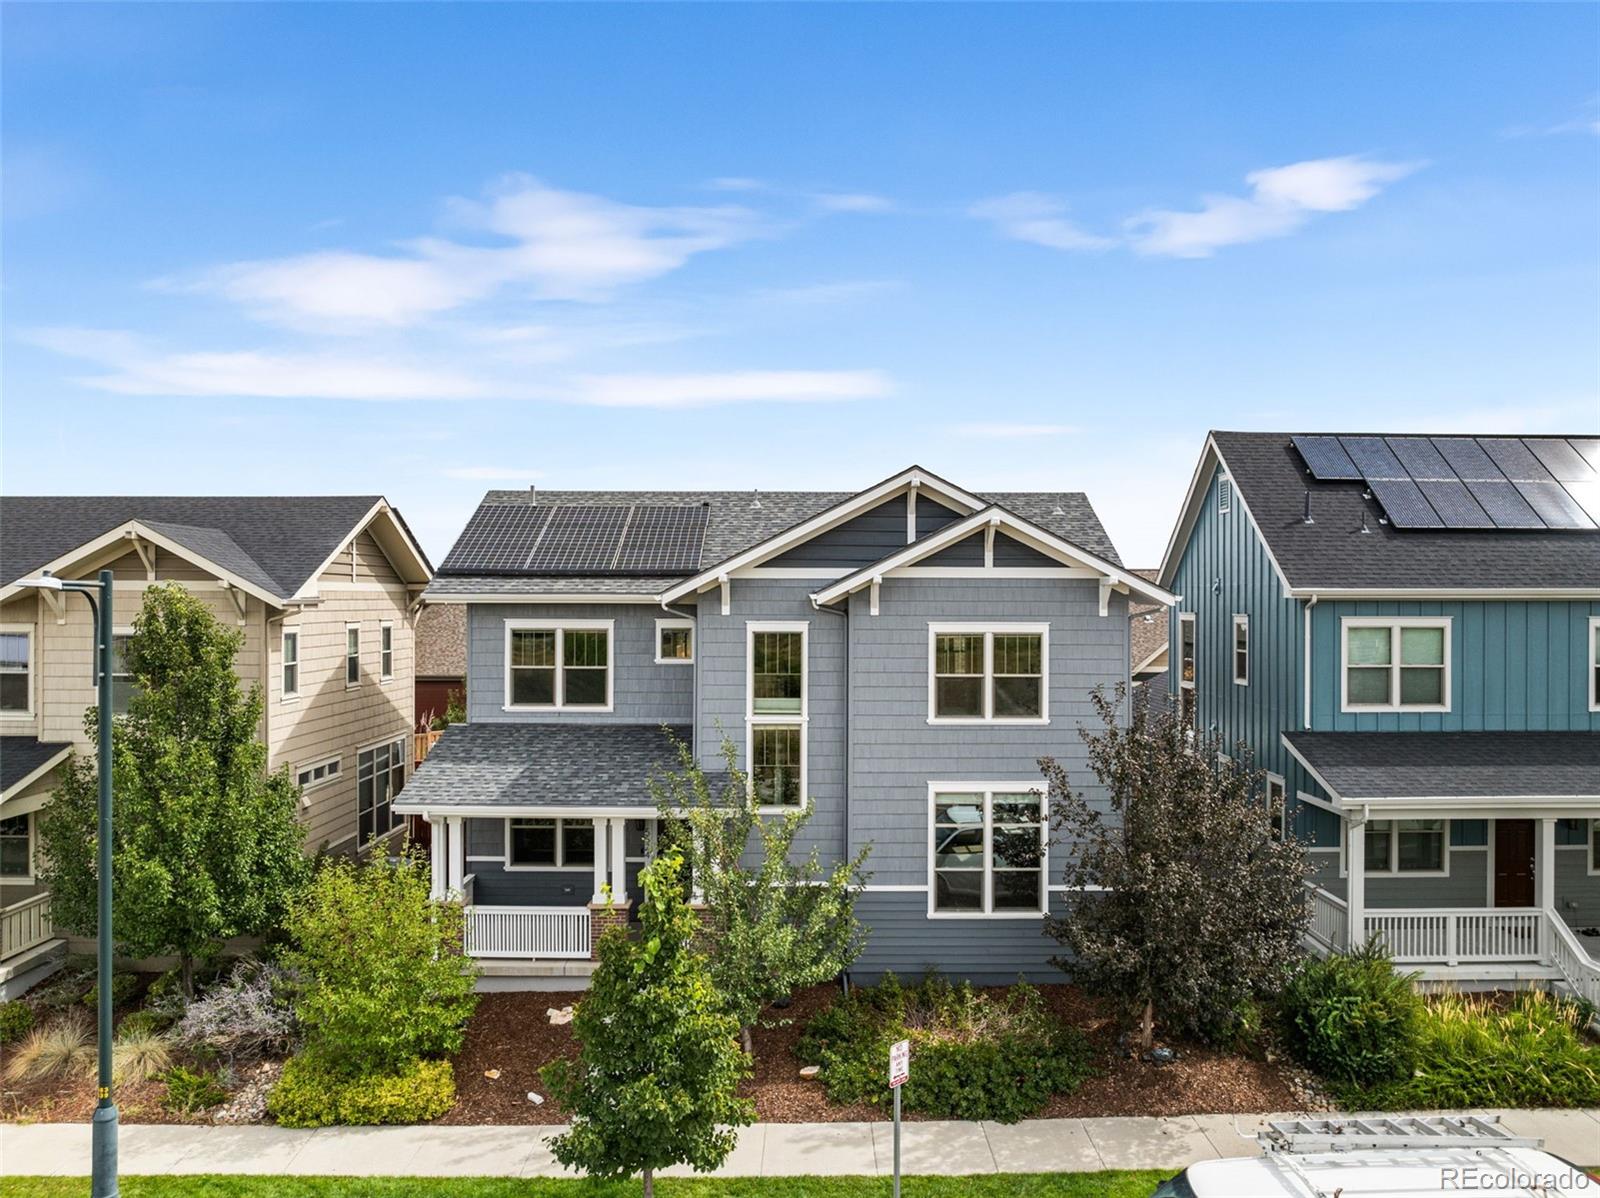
{"type": "Point", "coordinates": [380, 775]}
{"type": "Point", "coordinates": [352, 655]}
{"type": "Point", "coordinates": [776, 713]}
{"type": "Point", "coordinates": [291, 663]}
{"type": "Point", "coordinates": [1186, 669]}
{"type": "Point", "coordinates": [1594, 663]}
{"type": "Point", "coordinates": [996, 673]}
{"type": "Point", "coordinates": [1399, 663]}
{"type": "Point", "coordinates": [122, 685]}
{"type": "Point", "coordinates": [987, 851]}
{"type": "Point", "coordinates": [16, 671]}
{"type": "Point", "coordinates": [555, 666]}
{"type": "Point", "coordinates": [1407, 846]}
{"type": "Point", "coordinates": [1241, 650]}
{"type": "Point", "coordinates": [674, 642]}
{"type": "Point", "coordinates": [385, 651]}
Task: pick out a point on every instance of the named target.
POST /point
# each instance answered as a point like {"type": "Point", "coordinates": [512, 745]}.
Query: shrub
{"type": "Point", "coordinates": [190, 1092]}
{"type": "Point", "coordinates": [48, 1051]}
{"type": "Point", "coordinates": [1352, 1018]}
{"type": "Point", "coordinates": [139, 1055]}
{"type": "Point", "coordinates": [122, 987]}
{"type": "Point", "coordinates": [1476, 1052]}
{"type": "Point", "coordinates": [249, 1012]}
{"type": "Point", "coordinates": [384, 978]}
{"type": "Point", "coordinates": [976, 1055]}
{"type": "Point", "coordinates": [311, 1093]}
{"type": "Point", "coordinates": [16, 1021]}
{"type": "Point", "coordinates": [66, 988]}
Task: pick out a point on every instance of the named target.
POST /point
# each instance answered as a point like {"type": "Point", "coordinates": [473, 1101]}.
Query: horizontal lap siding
{"type": "Point", "coordinates": [496, 886]}
{"type": "Point", "coordinates": [1578, 892]}
{"type": "Point", "coordinates": [1514, 666]}
{"type": "Point", "coordinates": [642, 691]}
{"type": "Point", "coordinates": [901, 939]}
{"type": "Point", "coordinates": [1467, 884]}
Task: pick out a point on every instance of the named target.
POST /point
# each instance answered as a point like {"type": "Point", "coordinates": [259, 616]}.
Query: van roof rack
{"type": "Point", "coordinates": [1299, 1136]}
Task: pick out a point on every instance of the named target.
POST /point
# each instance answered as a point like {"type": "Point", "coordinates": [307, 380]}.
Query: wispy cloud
{"type": "Point", "coordinates": [1002, 431]}
{"type": "Point", "coordinates": [1038, 218]}
{"type": "Point", "coordinates": [826, 294]}
{"type": "Point", "coordinates": [1587, 122]}
{"type": "Point", "coordinates": [490, 473]}
{"type": "Point", "coordinates": [747, 386]}
{"type": "Point", "coordinates": [852, 202]}
{"type": "Point", "coordinates": [1281, 200]}
{"type": "Point", "coordinates": [734, 183]}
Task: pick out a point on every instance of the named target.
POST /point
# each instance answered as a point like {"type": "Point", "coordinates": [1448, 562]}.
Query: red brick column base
{"type": "Point", "coordinates": [603, 917]}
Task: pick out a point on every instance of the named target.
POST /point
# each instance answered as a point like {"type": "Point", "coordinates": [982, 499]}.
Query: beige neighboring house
{"type": "Point", "coordinates": [324, 589]}
{"type": "Point", "coordinates": [1147, 623]}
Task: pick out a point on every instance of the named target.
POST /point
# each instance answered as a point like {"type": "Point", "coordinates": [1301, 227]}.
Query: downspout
{"type": "Point", "coordinates": [694, 699]}
{"type": "Point", "coordinates": [1305, 664]}
{"type": "Point", "coordinates": [849, 701]}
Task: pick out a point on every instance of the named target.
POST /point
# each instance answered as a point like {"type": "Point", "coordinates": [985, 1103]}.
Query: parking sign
{"type": "Point", "coordinates": [899, 1063]}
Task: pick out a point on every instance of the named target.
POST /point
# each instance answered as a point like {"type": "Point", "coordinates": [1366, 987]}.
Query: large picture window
{"type": "Point", "coordinates": [987, 851]}
{"type": "Point", "coordinates": [987, 674]}
{"type": "Point", "coordinates": [550, 843]}
{"type": "Point", "coordinates": [1396, 664]}
{"type": "Point", "coordinates": [1407, 846]}
{"type": "Point", "coordinates": [558, 666]}
{"type": "Point", "coordinates": [380, 776]}
{"type": "Point", "coordinates": [16, 671]}
{"type": "Point", "coordinates": [776, 713]}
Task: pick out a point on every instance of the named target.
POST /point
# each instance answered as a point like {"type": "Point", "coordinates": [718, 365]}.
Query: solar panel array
{"type": "Point", "coordinates": [1468, 482]}
{"type": "Point", "coordinates": [579, 539]}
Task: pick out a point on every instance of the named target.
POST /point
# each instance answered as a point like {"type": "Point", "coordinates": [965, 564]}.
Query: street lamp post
{"type": "Point", "coordinates": [103, 1145]}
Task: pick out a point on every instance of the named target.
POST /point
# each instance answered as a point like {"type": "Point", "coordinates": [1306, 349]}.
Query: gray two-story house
{"type": "Point", "coordinates": [1405, 633]}
{"type": "Point", "coordinates": [896, 660]}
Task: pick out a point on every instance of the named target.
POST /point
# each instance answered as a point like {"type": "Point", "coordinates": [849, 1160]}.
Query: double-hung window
{"type": "Point", "coordinates": [16, 847]}
{"type": "Point", "coordinates": [988, 673]}
{"type": "Point", "coordinates": [558, 666]}
{"type": "Point", "coordinates": [385, 651]}
{"type": "Point", "coordinates": [16, 671]}
{"type": "Point", "coordinates": [1396, 663]}
{"type": "Point", "coordinates": [1407, 846]}
{"type": "Point", "coordinates": [380, 775]}
{"type": "Point", "coordinates": [123, 687]}
{"type": "Point", "coordinates": [987, 851]}
{"type": "Point", "coordinates": [775, 712]}
{"type": "Point", "coordinates": [1241, 650]}
{"type": "Point", "coordinates": [291, 663]}
{"type": "Point", "coordinates": [549, 843]}
{"type": "Point", "coordinates": [1187, 708]}
{"type": "Point", "coordinates": [352, 655]}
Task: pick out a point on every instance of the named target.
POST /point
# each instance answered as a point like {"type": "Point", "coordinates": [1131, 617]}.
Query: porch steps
{"type": "Point", "coordinates": [502, 973]}
{"type": "Point", "coordinates": [22, 971]}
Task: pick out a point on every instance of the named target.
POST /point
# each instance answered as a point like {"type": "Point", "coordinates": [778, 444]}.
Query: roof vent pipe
{"type": "Point", "coordinates": [755, 499]}
{"type": "Point", "coordinates": [1365, 527]}
{"type": "Point", "coordinates": [1308, 518]}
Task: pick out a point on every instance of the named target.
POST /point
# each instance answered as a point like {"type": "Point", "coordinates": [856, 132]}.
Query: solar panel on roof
{"type": "Point", "coordinates": [1454, 503]}
{"type": "Point", "coordinates": [1327, 459]}
{"type": "Point", "coordinates": [1404, 503]}
{"type": "Point", "coordinates": [1589, 447]}
{"type": "Point", "coordinates": [1588, 497]}
{"type": "Point", "coordinates": [1373, 458]}
{"type": "Point", "coordinates": [578, 540]}
{"type": "Point", "coordinates": [1561, 459]}
{"type": "Point", "coordinates": [1555, 507]}
{"type": "Point", "coordinates": [496, 538]}
{"type": "Point", "coordinates": [1515, 459]}
{"type": "Point", "coordinates": [1466, 457]}
{"type": "Point", "coordinates": [1419, 457]}
{"type": "Point", "coordinates": [663, 540]}
{"type": "Point", "coordinates": [1501, 501]}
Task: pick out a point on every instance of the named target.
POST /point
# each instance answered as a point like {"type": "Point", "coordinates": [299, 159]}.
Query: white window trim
{"type": "Point", "coordinates": [406, 748]}
{"type": "Point", "coordinates": [1283, 789]}
{"type": "Point", "coordinates": [33, 674]}
{"type": "Point", "coordinates": [385, 628]}
{"type": "Point", "coordinates": [1188, 617]}
{"type": "Point", "coordinates": [559, 627]}
{"type": "Point", "coordinates": [560, 865]}
{"type": "Point", "coordinates": [1394, 624]}
{"type": "Point", "coordinates": [33, 864]}
{"type": "Point", "coordinates": [989, 628]}
{"type": "Point", "coordinates": [285, 694]}
{"type": "Point", "coordinates": [988, 791]}
{"type": "Point", "coordinates": [1224, 493]}
{"type": "Point", "coordinates": [1394, 870]}
{"type": "Point", "coordinates": [661, 626]}
{"type": "Point", "coordinates": [775, 719]}
{"type": "Point", "coordinates": [345, 656]}
{"type": "Point", "coordinates": [1590, 826]}
{"type": "Point", "coordinates": [337, 773]}
{"type": "Point", "coordinates": [1590, 672]}
{"type": "Point", "coordinates": [124, 631]}
{"type": "Point", "coordinates": [1240, 620]}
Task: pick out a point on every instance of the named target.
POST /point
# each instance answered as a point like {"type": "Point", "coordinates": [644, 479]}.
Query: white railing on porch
{"type": "Point", "coordinates": [1330, 918]}
{"type": "Point", "coordinates": [1581, 971]}
{"type": "Point", "coordinates": [1455, 936]}
{"type": "Point", "coordinates": [527, 931]}
{"type": "Point", "coordinates": [25, 924]}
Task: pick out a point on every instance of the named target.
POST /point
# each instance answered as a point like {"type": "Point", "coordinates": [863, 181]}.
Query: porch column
{"type": "Point", "coordinates": [697, 892]}
{"type": "Point", "coordinates": [436, 852]}
{"type": "Point", "coordinates": [599, 860]}
{"type": "Point", "coordinates": [458, 855]}
{"type": "Point", "coordinates": [619, 860]}
{"type": "Point", "coordinates": [1355, 891]}
{"type": "Point", "coordinates": [1544, 872]}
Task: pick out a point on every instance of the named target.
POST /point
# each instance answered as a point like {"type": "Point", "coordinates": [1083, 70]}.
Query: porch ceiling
{"type": "Point", "coordinates": [1557, 772]}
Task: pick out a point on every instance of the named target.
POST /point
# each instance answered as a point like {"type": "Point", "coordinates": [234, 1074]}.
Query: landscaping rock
{"type": "Point", "coordinates": [559, 1015]}
{"type": "Point", "coordinates": [810, 1071]}
{"type": "Point", "coordinates": [249, 1103]}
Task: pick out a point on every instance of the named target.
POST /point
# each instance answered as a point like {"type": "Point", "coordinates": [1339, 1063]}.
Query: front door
{"type": "Point", "coordinates": [1513, 863]}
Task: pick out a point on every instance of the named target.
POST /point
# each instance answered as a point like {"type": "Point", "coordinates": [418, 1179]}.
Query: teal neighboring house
{"type": "Point", "coordinates": [1404, 632]}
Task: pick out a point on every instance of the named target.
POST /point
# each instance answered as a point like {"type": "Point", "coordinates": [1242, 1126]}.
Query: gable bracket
{"type": "Point", "coordinates": [147, 555]}
{"type": "Point", "coordinates": [877, 582]}
{"type": "Point", "coordinates": [726, 588]}
{"type": "Point", "coordinates": [911, 508]}
{"type": "Point", "coordinates": [56, 602]}
{"type": "Point", "coordinates": [240, 599]}
{"type": "Point", "coordinates": [1105, 596]}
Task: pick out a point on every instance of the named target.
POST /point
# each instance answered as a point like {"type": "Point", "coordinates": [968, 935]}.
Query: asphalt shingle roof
{"type": "Point", "coordinates": [543, 765]}
{"type": "Point", "coordinates": [1403, 765]}
{"type": "Point", "coordinates": [21, 755]}
{"type": "Point", "coordinates": [1333, 552]}
{"type": "Point", "coordinates": [276, 542]}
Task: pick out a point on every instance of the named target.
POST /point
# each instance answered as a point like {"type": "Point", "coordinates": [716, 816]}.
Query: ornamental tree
{"type": "Point", "coordinates": [658, 1069]}
{"type": "Point", "coordinates": [1187, 902]}
{"type": "Point", "coordinates": [207, 844]}
{"type": "Point", "coordinates": [774, 920]}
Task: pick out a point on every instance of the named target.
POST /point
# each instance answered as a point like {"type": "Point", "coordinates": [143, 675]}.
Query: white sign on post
{"type": "Point", "coordinates": [899, 1063]}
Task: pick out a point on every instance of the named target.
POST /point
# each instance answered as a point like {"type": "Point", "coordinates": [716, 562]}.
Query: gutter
{"type": "Point", "coordinates": [849, 716]}
{"type": "Point", "coordinates": [1306, 662]}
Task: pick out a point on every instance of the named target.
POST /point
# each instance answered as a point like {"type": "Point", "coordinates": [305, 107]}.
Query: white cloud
{"type": "Point", "coordinates": [1281, 200]}
{"type": "Point", "coordinates": [1001, 431]}
{"type": "Point", "coordinates": [553, 244]}
{"type": "Point", "coordinates": [489, 473]}
{"type": "Point", "coordinates": [749, 386]}
{"type": "Point", "coordinates": [1038, 218]}
{"type": "Point", "coordinates": [852, 202]}
{"type": "Point", "coordinates": [823, 294]}
{"type": "Point", "coordinates": [1587, 123]}
{"type": "Point", "coordinates": [734, 183]}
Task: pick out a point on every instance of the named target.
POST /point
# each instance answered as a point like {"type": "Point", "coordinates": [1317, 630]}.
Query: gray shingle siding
{"type": "Point", "coordinates": [904, 941]}
{"type": "Point", "coordinates": [858, 542]}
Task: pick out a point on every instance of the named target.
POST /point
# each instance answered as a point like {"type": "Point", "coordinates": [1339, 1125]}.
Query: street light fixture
{"type": "Point", "coordinates": [103, 1151]}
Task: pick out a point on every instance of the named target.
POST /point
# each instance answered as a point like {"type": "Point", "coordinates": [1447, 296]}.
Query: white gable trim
{"type": "Point", "coordinates": [889, 488]}
{"type": "Point", "coordinates": [995, 517]}
{"type": "Point", "coordinates": [419, 563]}
{"type": "Point", "coordinates": [1199, 487]}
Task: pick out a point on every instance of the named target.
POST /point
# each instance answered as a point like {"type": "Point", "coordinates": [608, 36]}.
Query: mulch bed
{"type": "Point", "coordinates": [511, 1033]}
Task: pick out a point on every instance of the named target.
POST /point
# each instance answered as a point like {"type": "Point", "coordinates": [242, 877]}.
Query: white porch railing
{"type": "Point", "coordinates": [1580, 969]}
{"type": "Point", "coordinates": [25, 924]}
{"type": "Point", "coordinates": [527, 931]}
{"type": "Point", "coordinates": [1330, 918]}
{"type": "Point", "coordinates": [1453, 936]}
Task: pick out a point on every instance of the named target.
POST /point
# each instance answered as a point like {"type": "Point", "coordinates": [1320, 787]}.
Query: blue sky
{"type": "Point", "coordinates": [428, 250]}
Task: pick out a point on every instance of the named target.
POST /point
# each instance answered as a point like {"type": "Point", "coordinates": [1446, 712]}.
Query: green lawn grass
{"type": "Point", "coordinates": [1112, 1184]}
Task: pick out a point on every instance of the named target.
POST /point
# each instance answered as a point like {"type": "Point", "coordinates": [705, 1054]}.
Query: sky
{"type": "Point", "coordinates": [426, 251]}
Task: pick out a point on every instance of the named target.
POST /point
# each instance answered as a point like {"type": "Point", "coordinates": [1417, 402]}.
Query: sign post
{"type": "Point", "coordinates": [899, 1073]}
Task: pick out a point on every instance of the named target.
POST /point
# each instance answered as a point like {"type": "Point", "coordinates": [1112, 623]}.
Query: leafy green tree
{"type": "Point", "coordinates": [658, 1069]}
{"type": "Point", "coordinates": [384, 977]}
{"type": "Point", "coordinates": [1188, 903]}
{"type": "Point", "coordinates": [774, 920]}
{"type": "Point", "coordinates": [207, 843]}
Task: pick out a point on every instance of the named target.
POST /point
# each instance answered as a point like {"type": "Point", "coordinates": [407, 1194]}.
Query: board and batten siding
{"type": "Point", "coordinates": [1514, 666]}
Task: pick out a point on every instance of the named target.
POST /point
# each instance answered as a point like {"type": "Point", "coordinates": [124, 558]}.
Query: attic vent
{"type": "Point", "coordinates": [1224, 494]}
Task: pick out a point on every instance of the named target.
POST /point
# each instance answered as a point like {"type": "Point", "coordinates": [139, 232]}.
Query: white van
{"type": "Point", "coordinates": [1386, 1158]}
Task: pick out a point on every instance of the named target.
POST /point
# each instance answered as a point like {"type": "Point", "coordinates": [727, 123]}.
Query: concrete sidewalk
{"type": "Point", "coordinates": [765, 1150]}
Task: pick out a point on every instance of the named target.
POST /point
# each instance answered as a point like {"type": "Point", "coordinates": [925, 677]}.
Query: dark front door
{"type": "Point", "coordinates": [1513, 863]}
